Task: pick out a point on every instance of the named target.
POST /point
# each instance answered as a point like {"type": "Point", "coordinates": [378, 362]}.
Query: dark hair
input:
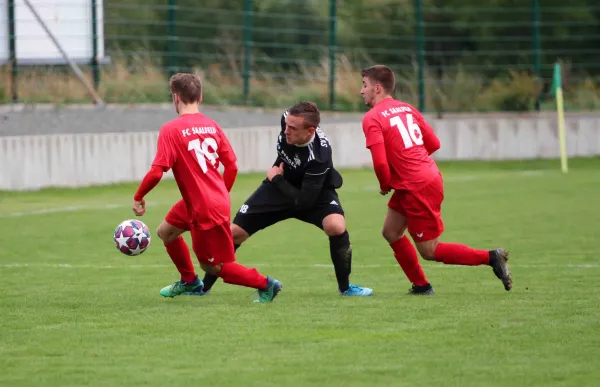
{"type": "Point", "coordinates": [307, 110]}
{"type": "Point", "coordinates": [383, 75]}
{"type": "Point", "coordinates": [187, 86]}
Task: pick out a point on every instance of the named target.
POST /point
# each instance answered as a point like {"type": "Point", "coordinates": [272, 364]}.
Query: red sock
{"type": "Point", "coordinates": [406, 255]}
{"type": "Point", "coordinates": [180, 255]}
{"type": "Point", "coordinates": [457, 254]}
{"type": "Point", "coordinates": [234, 273]}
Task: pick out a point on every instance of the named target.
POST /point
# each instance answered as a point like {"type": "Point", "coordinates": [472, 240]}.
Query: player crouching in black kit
{"type": "Point", "coordinates": [301, 184]}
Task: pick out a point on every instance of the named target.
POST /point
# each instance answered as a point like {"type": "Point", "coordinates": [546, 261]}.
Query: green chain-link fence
{"type": "Point", "coordinates": [449, 55]}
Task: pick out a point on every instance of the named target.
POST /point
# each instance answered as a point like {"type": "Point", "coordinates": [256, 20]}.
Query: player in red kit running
{"type": "Point", "coordinates": [193, 145]}
{"type": "Point", "coordinates": [401, 142]}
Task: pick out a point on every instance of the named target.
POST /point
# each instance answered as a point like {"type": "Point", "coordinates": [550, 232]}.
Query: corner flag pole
{"type": "Point", "coordinates": [557, 91]}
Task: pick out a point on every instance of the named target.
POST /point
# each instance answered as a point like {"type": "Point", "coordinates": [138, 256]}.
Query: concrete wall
{"type": "Point", "coordinates": [81, 159]}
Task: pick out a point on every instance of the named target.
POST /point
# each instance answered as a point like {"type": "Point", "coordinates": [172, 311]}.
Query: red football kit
{"type": "Point", "coordinates": [397, 134]}
{"type": "Point", "coordinates": [193, 145]}
{"type": "Point", "coordinates": [401, 143]}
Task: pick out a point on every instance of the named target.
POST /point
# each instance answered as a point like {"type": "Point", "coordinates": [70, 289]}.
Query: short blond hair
{"type": "Point", "coordinates": [187, 86]}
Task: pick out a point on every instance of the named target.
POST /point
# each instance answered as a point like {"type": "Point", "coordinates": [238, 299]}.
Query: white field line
{"type": "Point", "coordinates": [325, 266]}
{"type": "Point", "coordinates": [79, 208]}
{"type": "Point", "coordinates": [464, 178]}
{"type": "Point", "coordinates": [449, 179]}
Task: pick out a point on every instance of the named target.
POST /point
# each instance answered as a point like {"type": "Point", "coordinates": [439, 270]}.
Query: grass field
{"type": "Point", "coordinates": [75, 312]}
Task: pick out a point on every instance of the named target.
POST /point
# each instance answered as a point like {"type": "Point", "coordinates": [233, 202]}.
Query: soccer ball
{"type": "Point", "coordinates": [132, 237]}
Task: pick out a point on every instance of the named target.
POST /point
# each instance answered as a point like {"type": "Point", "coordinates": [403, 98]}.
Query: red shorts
{"type": "Point", "coordinates": [213, 246]}
{"type": "Point", "coordinates": [179, 217]}
{"type": "Point", "coordinates": [422, 210]}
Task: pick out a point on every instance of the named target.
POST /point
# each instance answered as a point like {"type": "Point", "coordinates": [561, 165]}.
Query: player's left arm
{"type": "Point", "coordinates": [163, 161]}
{"type": "Point", "coordinates": [229, 161]}
{"type": "Point", "coordinates": [375, 143]}
{"type": "Point", "coordinates": [430, 139]}
{"type": "Point", "coordinates": [278, 161]}
{"type": "Point", "coordinates": [312, 184]}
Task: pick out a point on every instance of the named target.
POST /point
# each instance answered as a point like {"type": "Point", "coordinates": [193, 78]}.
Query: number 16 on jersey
{"type": "Point", "coordinates": [411, 136]}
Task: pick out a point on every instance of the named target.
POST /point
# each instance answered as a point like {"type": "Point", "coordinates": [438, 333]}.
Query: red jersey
{"type": "Point", "coordinates": [407, 138]}
{"type": "Point", "coordinates": [193, 145]}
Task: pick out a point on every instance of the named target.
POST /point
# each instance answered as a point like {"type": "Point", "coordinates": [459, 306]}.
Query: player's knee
{"type": "Point", "coordinates": [334, 224]}
{"type": "Point", "coordinates": [391, 235]}
{"type": "Point", "coordinates": [167, 233]}
{"type": "Point", "coordinates": [394, 226]}
{"type": "Point", "coordinates": [239, 234]}
{"type": "Point", "coordinates": [427, 256]}
{"type": "Point", "coordinates": [427, 249]}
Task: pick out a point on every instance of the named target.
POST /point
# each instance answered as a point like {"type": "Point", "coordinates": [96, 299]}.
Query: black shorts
{"type": "Point", "coordinates": [267, 206]}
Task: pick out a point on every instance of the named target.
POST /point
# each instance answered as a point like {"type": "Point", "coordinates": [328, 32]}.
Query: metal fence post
{"type": "Point", "coordinates": [171, 40]}
{"type": "Point", "coordinates": [420, 52]}
{"type": "Point", "coordinates": [332, 51]}
{"type": "Point", "coordinates": [95, 67]}
{"type": "Point", "coordinates": [537, 52]}
{"type": "Point", "coordinates": [12, 51]}
{"type": "Point", "coordinates": [248, 7]}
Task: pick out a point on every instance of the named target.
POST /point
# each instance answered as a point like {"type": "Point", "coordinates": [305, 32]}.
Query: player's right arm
{"type": "Point", "coordinates": [163, 161]}
{"type": "Point", "coordinates": [375, 143]}
{"type": "Point", "coordinates": [431, 142]}
{"type": "Point", "coordinates": [312, 184]}
{"type": "Point", "coordinates": [151, 180]}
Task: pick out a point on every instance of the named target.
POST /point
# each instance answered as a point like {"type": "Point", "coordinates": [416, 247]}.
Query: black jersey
{"type": "Point", "coordinates": [312, 159]}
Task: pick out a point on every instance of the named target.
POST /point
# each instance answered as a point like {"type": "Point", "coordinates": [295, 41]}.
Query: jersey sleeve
{"type": "Point", "coordinates": [277, 161]}
{"type": "Point", "coordinates": [312, 184]}
{"type": "Point", "coordinates": [151, 180]}
{"type": "Point", "coordinates": [229, 161]}
{"type": "Point", "coordinates": [381, 166]}
{"type": "Point", "coordinates": [226, 153]}
{"type": "Point", "coordinates": [430, 140]}
{"type": "Point", "coordinates": [316, 168]}
{"type": "Point", "coordinates": [165, 151]}
{"type": "Point", "coordinates": [285, 113]}
{"type": "Point", "coordinates": [320, 151]}
{"type": "Point", "coordinates": [372, 130]}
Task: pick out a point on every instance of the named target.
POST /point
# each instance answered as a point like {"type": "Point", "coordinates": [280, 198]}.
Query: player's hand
{"type": "Point", "coordinates": [274, 171]}
{"type": "Point", "coordinates": [139, 208]}
{"type": "Point", "coordinates": [384, 192]}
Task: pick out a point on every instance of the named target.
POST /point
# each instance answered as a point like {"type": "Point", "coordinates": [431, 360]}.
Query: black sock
{"type": "Point", "coordinates": [210, 279]}
{"type": "Point", "coordinates": [341, 256]}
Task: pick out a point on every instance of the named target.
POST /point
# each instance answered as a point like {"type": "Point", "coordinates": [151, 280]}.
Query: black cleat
{"type": "Point", "coordinates": [425, 290]}
{"type": "Point", "coordinates": [498, 262]}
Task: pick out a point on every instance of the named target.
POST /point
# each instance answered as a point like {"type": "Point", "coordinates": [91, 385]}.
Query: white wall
{"type": "Point", "coordinates": [74, 160]}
